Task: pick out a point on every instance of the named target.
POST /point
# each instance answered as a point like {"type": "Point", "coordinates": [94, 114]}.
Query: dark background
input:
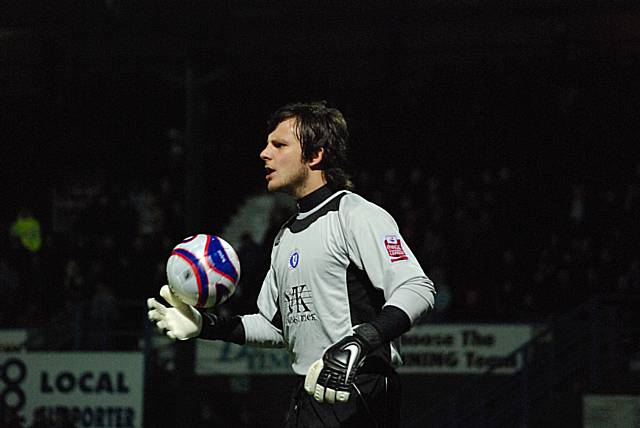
{"type": "Point", "coordinates": [93, 87]}
{"type": "Point", "coordinates": [514, 115]}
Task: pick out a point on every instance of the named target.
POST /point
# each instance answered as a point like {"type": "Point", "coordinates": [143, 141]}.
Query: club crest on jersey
{"type": "Point", "coordinates": [294, 259]}
{"type": "Point", "coordinates": [394, 248]}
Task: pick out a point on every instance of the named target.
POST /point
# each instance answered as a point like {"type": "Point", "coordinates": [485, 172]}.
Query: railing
{"type": "Point", "coordinates": [582, 351]}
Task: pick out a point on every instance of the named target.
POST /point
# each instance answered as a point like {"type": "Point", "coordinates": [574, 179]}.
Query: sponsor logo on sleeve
{"type": "Point", "coordinates": [393, 245]}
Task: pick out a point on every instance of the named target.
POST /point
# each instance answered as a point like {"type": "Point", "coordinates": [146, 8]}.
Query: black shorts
{"type": "Point", "coordinates": [375, 403]}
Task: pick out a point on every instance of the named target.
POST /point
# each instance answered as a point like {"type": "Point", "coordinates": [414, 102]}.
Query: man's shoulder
{"type": "Point", "coordinates": [352, 200]}
{"type": "Point", "coordinates": [353, 204]}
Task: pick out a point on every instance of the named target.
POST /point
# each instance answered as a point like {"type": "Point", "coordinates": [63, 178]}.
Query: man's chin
{"type": "Point", "coordinates": [273, 187]}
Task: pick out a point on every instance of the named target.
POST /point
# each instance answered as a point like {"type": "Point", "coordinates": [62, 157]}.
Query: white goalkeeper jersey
{"type": "Point", "coordinates": [334, 266]}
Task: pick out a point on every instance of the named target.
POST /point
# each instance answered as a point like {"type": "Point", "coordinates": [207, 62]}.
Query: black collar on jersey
{"type": "Point", "coordinates": [313, 206]}
{"type": "Point", "coordinates": [313, 199]}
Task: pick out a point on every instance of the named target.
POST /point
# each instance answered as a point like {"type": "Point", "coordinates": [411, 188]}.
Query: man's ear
{"type": "Point", "coordinates": [316, 159]}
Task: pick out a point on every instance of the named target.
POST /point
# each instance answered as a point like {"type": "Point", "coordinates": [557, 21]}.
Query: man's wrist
{"type": "Point", "coordinates": [369, 335]}
{"type": "Point", "coordinates": [221, 328]}
{"type": "Point", "coordinates": [391, 323]}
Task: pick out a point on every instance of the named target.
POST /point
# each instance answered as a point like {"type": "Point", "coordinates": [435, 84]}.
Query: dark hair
{"type": "Point", "coordinates": [318, 126]}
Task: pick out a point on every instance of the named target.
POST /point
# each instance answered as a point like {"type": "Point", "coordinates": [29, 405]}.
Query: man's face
{"type": "Point", "coordinates": [285, 170]}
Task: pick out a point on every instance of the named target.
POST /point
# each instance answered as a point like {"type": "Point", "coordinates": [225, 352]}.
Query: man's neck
{"type": "Point", "coordinates": [313, 182]}
{"type": "Point", "coordinates": [313, 199]}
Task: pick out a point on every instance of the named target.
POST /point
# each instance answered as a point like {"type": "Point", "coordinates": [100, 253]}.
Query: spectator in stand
{"type": "Point", "coordinates": [26, 243]}
{"type": "Point", "coordinates": [26, 229]}
{"type": "Point", "coordinates": [10, 292]}
{"type": "Point", "coordinates": [104, 314]}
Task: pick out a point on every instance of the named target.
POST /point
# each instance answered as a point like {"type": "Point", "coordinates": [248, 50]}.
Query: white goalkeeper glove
{"type": "Point", "coordinates": [181, 321]}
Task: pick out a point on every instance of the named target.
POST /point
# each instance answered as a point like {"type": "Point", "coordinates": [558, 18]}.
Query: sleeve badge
{"type": "Point", "coordinates": [394, 248]}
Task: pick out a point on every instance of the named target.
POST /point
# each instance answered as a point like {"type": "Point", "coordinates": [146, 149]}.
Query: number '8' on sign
{"type": "Point", "coordinates": [12, 373]}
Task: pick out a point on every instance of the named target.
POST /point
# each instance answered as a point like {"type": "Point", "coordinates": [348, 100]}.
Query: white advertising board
{"type": "Point", "coordinates": [426, 349]}
{"type": "Point", "coordinates": [611, 411]}
{"type": "Point", "coordinates": [98, 389]}
{"type": "Point", "coordinates": [222, 358]}
{"type": "Point", "coordinates": [463, 348]}
{"type": "Point", "coordinates": [12, 340]}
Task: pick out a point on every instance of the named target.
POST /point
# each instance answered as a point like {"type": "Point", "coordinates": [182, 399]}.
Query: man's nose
{"type": "Point", "coordinates": [264, 154]}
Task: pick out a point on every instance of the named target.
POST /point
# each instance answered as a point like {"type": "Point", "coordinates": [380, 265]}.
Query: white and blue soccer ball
{"type": "Point", "coordinates": [203, 270]}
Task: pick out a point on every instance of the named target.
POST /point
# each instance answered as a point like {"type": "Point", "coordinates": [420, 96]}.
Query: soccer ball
{"type": "Point", "coordinates": [203, 270]}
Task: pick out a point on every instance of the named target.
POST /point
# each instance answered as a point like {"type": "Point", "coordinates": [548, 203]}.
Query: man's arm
{"type": "Point", "coordinates": [265, 328]}
{"type": "Point", "coordinates": [181, 321]}
{"type": "Point", "coordinates": [330, 379]}
{"type": "Point", "coordinates": [375, 246]}
{"type": "Point", "coordinates": [261, 332]}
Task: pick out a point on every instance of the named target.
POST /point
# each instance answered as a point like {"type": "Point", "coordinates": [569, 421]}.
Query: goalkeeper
{"type": "Point", "coordinates": [342, 285]}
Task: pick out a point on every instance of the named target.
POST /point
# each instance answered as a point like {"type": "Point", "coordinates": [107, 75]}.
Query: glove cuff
{"type": "Point", "coordinates": [222, 328]}
{"type": "Point", "coordinates": [369, 335]}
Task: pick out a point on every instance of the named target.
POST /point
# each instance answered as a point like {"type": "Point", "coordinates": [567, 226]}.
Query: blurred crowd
{"type": "Point", "coordinates": [499, 248]}
{"type": "Point", "coordinates": [100, 254]}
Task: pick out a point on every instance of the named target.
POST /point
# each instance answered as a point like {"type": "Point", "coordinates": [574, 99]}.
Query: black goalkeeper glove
{"type": "Point", "coordinates": [329, 380]}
